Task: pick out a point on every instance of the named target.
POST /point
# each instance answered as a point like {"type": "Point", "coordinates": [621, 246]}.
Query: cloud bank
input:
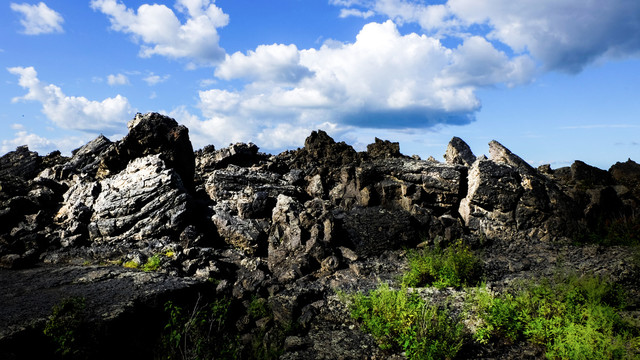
{"type": "Point", "coordinates": [383, 80]}
{"type": "Point", "coordinates": [564, 35]}
{"type": "Point", "coordinates": [387, 79]}
{"type": "Point", "coordinates": [38, 19]}
{"type": "Point", "coordinates": [160, 31]}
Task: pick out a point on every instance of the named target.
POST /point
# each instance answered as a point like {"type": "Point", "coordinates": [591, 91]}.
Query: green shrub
{"type": "Point", "coordinates": [401, 320]}
{"type": "Point", "coordinates": [454, 266]}
{"type": "Point", "coordinates": [203, 333]}
{"type": "Point", "coordinates": [152, 264]}
{"type": "Point", "coordinates": [258, 308]}
{"type": "Point", "coordinates": [573, 317]}
{"type": "Point", "coordinates": [64, 326]}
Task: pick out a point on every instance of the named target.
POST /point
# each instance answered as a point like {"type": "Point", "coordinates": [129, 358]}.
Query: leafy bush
{"type": "Point", "coordinates": [203, 333]}
{"type": "Point", "coordinates": [401, 320]}
{"type": "Point", "coordinates": [454, 266]}
{"type": "Point", "coordinates": [64, 326]}
{"type": "Point", "coordinates": [573, 317]}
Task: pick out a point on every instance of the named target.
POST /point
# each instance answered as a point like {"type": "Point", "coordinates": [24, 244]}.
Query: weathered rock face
{"type": "Point", "coordinates": [459, 153]}
{"type": "Point", "coordinates": [627, 174]}
{"type": "Point", "coordinates": [382, 149]}
{"type": "Point", "coordinates": [145, 201]}
{"type": "Point", "coordinates": [322, 154]}
{"type": "Point", "coordinates": [506, 196]}
{"type": "Point", "coordinates": [150, 134]}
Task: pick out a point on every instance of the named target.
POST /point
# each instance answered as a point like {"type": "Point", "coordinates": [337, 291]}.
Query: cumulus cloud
{"type": "Point", "coordinates": [277, 62]}
{"type": "Point", "coordinates": [35, 142]}
{"type": "Point", "coordinates": [564, 35]}
{"type": "Point", "coordinates": [383, 79]}
{"type": "Point", "coordinates": [38, 19]}
{"type": "Point", "coordinates": [160, 31]}
{"type": "Point", "coordinates": [119, 79]}
{"type": "Point", "coordinates": [154, 79]}
{"type": "Point", "coordinates": [73, 112]}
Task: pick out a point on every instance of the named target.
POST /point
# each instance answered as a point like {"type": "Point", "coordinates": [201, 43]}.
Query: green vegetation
{"type": "Point", "coordinates": [573, 317]}
{"type": "Point", "coordinates": [258, 308]}
{"type": "Point", "coordinates": [64, 326]}
{"type": "Point", "coordinates": [455, 266]}
{"type": "Point", "coordinates": [152, 264]}
{"type": "Point", "coordinates": [203, 333]}
{"type": "Point", "coordinates": [131, 264]}
{"type": "Point", "coordinates": [402, 320]}
{"type": "Point", "coordinates": [621, 230]}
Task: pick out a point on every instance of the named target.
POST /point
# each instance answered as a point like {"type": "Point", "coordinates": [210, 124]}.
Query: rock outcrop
{"type": "Point", "coordinates": [281, 231]}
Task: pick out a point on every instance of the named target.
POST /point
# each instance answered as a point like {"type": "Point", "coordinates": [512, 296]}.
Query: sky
{"type": "Point", "coordinates": [552, 80]}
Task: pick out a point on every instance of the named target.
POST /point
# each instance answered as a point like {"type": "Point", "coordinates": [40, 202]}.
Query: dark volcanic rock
{"type": "Point", "coordinates": [123, 307]}
{"type": "Point", "coordinates": [151, 134]}
{"type": "Point", "coordinates": [20, 163]}
{"type": "Point", "coordinates": [279, 236]}
{"type": "Point", "coordinates": [459, 153]}
{"type": "Point", "coordinates": [322, 153]}
{"type": "Point", "coordinates": [85, 160]}
{"type": "Point", "coordinates": [145, 201]}
{"type": "Point", "coordinates": [382, 149]}
{"type": "Point", "coordinates": [628, 175]}
{"type": "Point", "coordinates": [506, 195]}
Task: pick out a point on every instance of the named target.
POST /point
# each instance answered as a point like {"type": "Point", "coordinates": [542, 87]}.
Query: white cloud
{"type": "Point", "coordinates": [344, 13]}
{"type": "Point", "coordinates": [38, 19]}
{"type": "Point", "coordinates": [279, 63]}
{"type": "Point", "coordinates": [161, 33]}
{"type": "Point", "coordinates": [17, 126]}
{"type": "Point", "coordinates": [73, 112]}
{"type": "Point", "coordinates": [43, 145]}
{"type": "Point", "coordinates": [154, 79]}
{"type": "Point", "coordinates": [383, 71]}
{"type": "Point", "coordinates": [382, 80]}
{"type": "Point", "coordinates": [35, 143]}
{"type": "Point", "coordinates": [564, 35]}
{"type": "Point", "coordinates": [119, 79]}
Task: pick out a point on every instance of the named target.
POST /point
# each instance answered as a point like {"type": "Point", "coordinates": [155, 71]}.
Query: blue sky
{"type": "Point", "coordinates": [553, 80]}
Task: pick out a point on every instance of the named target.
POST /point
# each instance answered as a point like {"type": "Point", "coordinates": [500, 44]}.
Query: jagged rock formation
{"type": "Point", "coordinates": [290, 228]}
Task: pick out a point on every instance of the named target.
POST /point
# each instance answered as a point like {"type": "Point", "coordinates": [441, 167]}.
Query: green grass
{"type": "Point", "coordinates": [454, 266]}
{"type": "Point", "coordinates": [572, 317]}
{"type": "Point", "coordinates": [399, 320]}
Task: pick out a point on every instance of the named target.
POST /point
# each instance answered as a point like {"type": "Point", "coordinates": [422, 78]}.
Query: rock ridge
{"type": "Point", "coordinates": [289, 228]}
